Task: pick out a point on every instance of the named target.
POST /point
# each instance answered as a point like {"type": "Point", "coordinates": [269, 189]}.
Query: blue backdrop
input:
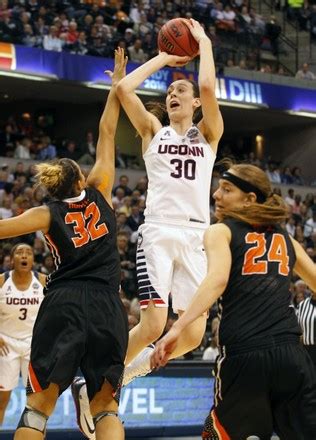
{"type": "Point", "coordinates": [148, 402]}
{"type": "Point", "coordinates": [87, 69]}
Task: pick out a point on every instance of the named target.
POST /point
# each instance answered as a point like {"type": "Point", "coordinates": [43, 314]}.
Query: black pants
{"type": "Point", "coordinates": [264, 391]}
{"type": "Point", "coordinates": [311, 350]}
{"type": "Point", "coordinates": [79, 325]}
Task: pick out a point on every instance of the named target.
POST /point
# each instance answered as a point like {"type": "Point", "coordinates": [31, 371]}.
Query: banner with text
{"type": "Point", "coordinates": [88, 69]}
{"type": "Point", "coordinates": [148, 402]}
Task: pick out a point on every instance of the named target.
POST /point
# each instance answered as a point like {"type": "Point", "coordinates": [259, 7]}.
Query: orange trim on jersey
{"type": "Point", "coordinates": [33, 380]}
{"type": "Point", "coordinates": [220, 430]}
{"type": "Point", "coordinates": [53, 248]}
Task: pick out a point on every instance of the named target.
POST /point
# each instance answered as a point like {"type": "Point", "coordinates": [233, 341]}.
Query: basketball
{"type": "Point", "coordinates": [175, 38]}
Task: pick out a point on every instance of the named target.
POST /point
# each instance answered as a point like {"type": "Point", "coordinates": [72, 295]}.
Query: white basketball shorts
{"type": "Point", "coordinates": [16, 362]}
{"type": "Point", "coordinates": [170, 260]}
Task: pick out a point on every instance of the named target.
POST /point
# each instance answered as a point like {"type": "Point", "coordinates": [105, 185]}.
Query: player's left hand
{"type": "Point", "coordinates": [120, 61]}
{"type": "Point", "coordinates": [164, 348]}
{"type": "Point", "coordinates": [196, 29]}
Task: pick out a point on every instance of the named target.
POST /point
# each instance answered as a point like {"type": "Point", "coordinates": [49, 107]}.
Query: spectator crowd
{"type": "Point", "coordinates": [27, 137]}
{"type": "Point", "coordinates": [97, 27]}
{"type": "Point", "coordinates": [17, 194]}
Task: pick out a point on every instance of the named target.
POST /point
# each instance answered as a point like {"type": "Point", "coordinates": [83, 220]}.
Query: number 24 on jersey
{"type": "Point", "coordinates": [258, 257]}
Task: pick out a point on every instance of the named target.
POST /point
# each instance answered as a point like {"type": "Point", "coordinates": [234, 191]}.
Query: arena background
{"type": "Point", "coordinates": [271, 115]}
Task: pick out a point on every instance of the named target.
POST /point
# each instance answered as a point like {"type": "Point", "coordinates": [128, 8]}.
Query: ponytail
{"type": "Point", "coordinates": [274, 210]}
{"type": "Point", "coordinates": [58, 177]}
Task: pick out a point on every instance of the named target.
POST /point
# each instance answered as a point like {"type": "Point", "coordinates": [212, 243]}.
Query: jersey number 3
{"type": "Point", "coordinates": [85, 225]}
{"type": "Point", "coordinates": [277, 253]}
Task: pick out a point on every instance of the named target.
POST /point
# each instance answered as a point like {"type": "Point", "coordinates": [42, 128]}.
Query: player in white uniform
{"type": "Point", "coordinates": [170, 255]}
{"type": "Point", "coordinates": [21, 293]}
{"type": "Point", "coordinates": [179, 160]}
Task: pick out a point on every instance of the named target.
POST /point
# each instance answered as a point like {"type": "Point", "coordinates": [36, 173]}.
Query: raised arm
{"type": "Point", "coordinates": [304, 267]}
{"type": "Point", "coordinates": [32, 220]}
{"type": "Point", "coordinates": [103, 172]}
{"type": "Point", "coordinates": [212, 123]}
{"type": "Point", "coordinates": [219, 262]}
{"type": "Point", "coordinates": [144, 122]}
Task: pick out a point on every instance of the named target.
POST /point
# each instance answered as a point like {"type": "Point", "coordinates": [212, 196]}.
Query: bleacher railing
{"type": "Point", "coordinates": [289, 46]}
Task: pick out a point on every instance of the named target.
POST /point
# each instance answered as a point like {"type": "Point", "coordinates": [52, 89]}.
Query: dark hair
{"type": "Point", "coordinates": [8, 187]}
{"type": "Point", "coordinates": [58, 177]}
{"type": "Point", "coordinates": [195, 86]}
{"type": "Point", "coordinates": [197, 115]}
{"type": "Point", "coordinates": [14, 248]}
{"type": "Point", "coordinates": [159, 109]}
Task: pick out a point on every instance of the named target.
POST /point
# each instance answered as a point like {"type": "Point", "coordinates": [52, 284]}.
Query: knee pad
{"type": "Point", "coordinates": [33, 419]}
{"type": "Point", "coordinates": [103, 414]}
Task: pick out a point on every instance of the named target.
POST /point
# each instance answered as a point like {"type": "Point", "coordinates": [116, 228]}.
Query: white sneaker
{"type": "Point", "coordinates": [140, 366]}
{"type": "Point", "coordinates": [84, 418]}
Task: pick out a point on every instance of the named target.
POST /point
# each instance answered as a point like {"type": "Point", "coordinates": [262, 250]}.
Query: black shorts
{"type": "Point", "coordinates": [311, 350]}
{"type": "Point", "coordinates": [264, 391]}
{"type": "Point", "coordinates": [79, 325]}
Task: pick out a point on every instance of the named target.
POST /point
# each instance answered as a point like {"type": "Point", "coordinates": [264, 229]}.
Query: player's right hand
{"type": "Point", "coordinates": [4, 349]}
{"type": "Point", "coordinates": [120, 61]}
{"type": "Point", "coordinates": [164, 348]}
{"type": "Point", "coordinates": [175, 60]}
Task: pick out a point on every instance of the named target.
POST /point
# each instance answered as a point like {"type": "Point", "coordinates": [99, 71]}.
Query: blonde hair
{"type": "Point", "coordinates": [58, 177]}
{"type": "Point", "coordinates": [274, 210]}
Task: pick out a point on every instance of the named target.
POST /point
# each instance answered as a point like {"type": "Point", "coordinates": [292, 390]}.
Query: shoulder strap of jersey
{"type": "Point", "coordinates": [6, 275]}
{"type": "Point", "coordinates": [36, 274]}
{"type": "Point", "coordinates": [230, 222]}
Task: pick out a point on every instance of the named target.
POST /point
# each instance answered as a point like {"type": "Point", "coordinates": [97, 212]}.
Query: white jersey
{"type": "Point", "coordinates": [179, 170]}
{"type": "Point", "coordinates": [18, 308]}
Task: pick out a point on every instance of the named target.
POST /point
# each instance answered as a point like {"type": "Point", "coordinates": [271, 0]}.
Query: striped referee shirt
{"type": "Point", "coordinates": [307, 318]}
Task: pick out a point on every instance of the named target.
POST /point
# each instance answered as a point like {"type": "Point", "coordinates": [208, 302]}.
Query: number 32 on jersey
{"type": "Point", "coordinates": [254, 263]}
{"type": "Point", "coordinates": [85, 225]}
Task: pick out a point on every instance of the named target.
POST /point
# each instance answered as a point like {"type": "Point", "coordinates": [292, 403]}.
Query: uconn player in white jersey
{"type": "Point", "coordinates": [21, 293]}
{"type": "Point", "coordinates": [179, 159]}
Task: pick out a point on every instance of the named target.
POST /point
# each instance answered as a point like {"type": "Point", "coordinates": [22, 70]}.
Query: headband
{"type": "Point", "coordinates": [245, 186]}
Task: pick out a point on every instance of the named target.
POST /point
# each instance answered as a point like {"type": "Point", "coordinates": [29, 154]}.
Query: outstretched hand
{"type": "Point", "coordinates": [196, 29]}
{"type": "Point", "coordinates": [120, 61]}
{"type": "Point", "coordinates": [164, 348]}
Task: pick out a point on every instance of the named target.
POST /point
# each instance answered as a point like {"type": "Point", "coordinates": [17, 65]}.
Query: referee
{"type": "Point", "coordinates": [307, 319]}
